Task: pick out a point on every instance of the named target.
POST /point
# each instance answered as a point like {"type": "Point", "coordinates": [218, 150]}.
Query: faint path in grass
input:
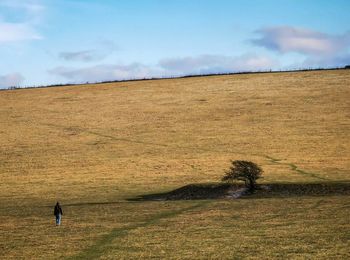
{"type": "Point", "coordinates": [292, 166]}
{"type": "Point", "coordinates": [105, 242]}
{"type": "Point", "coordinates": [136, 141]}
{"type": "Point", "coordinates": [84, 130]}
{"type": "Point", "coordinates": [295, 168]}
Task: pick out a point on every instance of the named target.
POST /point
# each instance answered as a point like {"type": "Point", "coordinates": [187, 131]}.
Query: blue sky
{"type": "Point", "coordinates": [71, 41]}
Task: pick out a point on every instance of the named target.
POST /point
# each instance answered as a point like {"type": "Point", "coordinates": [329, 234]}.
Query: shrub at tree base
{"type": "Point", "coordinates": [245, 171]}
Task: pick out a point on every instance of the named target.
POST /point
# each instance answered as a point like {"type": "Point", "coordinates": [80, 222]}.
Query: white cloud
{"type": "Point", "coordinates": [106, 72]}
{"type": "Point", "coordinates": [33, 7]}
{"type": "Point", "coordinates": [11, 80]}
{"type": "Point", "coordinates": [13, 32]}
{"type": "Point", "coordinates": [324, 62]}
{"type": "Point", "coordinates": [85, 56]}
{"type": "Point", "coordinates": [27, 14]}
{"type": "Point", "coordinates": [300, 40]}
{"type": "Point", "coordinates": [206, 64]}
{"type": "Point", "coordinates": [104, 48]}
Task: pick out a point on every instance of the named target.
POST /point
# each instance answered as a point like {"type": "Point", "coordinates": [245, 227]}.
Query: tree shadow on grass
{"type": "Point", "coordinates": [304, 189]}
{"type": "Point", "coordinates": [226, 190]}
{"type": "Point", "coordinates": [191, 192]}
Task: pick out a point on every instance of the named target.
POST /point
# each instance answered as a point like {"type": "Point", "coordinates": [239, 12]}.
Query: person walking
{"type": "Point", "coordinates": [58, 213]}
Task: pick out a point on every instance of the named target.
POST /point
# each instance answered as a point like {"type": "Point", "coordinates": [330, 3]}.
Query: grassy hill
{"type": "Point", "coordinates": [94, 147]}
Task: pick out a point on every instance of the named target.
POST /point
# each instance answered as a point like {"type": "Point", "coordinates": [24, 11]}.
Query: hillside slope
{"type": "Point", "coordinates": [104, 143]}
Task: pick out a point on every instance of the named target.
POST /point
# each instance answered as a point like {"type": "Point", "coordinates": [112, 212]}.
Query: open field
{"type": "Point", "coordinates": [94, 147]}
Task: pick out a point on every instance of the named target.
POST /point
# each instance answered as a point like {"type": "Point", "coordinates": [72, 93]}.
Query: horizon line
{"type": "Point", "coordinates": [173, 77]}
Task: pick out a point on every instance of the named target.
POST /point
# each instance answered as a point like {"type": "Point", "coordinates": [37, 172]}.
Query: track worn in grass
{"type": "Point", "coordinates": [104, 244]}
{"type": "Point", "coordinates": [295, 168]}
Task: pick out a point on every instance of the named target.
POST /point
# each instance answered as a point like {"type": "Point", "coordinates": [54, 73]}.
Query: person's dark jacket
{"type": "Point", "coordinates": [57, 210]}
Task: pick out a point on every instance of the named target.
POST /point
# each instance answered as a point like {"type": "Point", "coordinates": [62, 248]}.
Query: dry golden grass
{"type": "Point", "coordinates": [92, 147]}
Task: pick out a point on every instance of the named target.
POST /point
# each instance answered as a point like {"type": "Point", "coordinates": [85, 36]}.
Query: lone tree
{"type": "Point", "coordinates": [245, 171]}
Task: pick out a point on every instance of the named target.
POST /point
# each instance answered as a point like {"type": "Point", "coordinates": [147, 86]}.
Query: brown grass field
{"type": "Point", "coordinates": [94, 147]}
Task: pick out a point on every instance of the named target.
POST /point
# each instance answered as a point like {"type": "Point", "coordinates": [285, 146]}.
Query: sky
{"type": "Point", "coordinates": [44, 42]}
